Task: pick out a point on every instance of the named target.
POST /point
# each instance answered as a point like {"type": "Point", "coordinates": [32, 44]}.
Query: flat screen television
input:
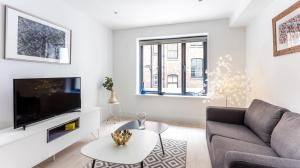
{"type": "Point", "coordinates": [43, 98]}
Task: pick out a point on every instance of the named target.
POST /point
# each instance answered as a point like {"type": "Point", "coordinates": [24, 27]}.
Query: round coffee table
{"type": "Point", "coordinates": [157, 127]}
{"type": "Point", "coordinates": [139, 146]}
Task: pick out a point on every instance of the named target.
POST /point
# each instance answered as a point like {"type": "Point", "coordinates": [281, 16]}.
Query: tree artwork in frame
{"type": "Point", "coordinates": [286, 31]}
{"type": "Point", "coordinates": [30, 38]}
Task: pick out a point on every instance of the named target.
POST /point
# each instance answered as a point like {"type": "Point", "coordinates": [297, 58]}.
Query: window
{"type": "Point", "coordinates": [173, 66]}
{"type": "Point", "coordinates": [196, 68]}
{"type": "Point", "coordinates": [155, 80]}
{"type": "Point", "coordinates": [171, 51]}
{"type": "Point", "coordinates": [150, 67]}
{"type": "Point", "coordinates": [172, 81]}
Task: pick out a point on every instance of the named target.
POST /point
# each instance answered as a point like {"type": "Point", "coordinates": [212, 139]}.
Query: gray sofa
{"type": "Point", "coordinates": [262, 136]}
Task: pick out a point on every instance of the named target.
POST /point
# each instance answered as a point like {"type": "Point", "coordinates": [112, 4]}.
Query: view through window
{"type": "Point", "coordinates": [174, 66]}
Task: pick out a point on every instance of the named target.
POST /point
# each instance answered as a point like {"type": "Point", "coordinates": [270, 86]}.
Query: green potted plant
{"type": "Point", "coordinates": [108, 85]}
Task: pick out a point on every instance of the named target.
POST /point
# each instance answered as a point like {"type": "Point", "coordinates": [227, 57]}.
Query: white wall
{"type": "Point", "coordinates": [91, 54]}
{"type": "Point", "coordinates": [222, 40]}
{"type": "Point", "coordinates": [275, 79]}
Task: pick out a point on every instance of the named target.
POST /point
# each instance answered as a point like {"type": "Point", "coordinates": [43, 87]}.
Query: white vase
{"type": "Point", "coordinates": [112, 99]}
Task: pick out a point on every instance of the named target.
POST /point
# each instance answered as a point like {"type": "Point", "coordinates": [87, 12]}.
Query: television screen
{"type": "Point", "coordinates": [39, 99]}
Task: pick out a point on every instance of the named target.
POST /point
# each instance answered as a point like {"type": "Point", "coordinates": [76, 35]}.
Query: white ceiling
{"type": "Point", "coordinates": [139, 13]}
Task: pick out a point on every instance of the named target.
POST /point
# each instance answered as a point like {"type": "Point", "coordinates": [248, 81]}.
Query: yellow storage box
{"type": "Point", "coordinates": [70, 126]}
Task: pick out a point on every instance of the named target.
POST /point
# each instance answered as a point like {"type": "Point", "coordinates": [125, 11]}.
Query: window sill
{"type": "Point", "coordinates": [173, 96]}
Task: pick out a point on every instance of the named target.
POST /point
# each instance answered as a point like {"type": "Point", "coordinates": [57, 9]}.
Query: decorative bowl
{"type": "Point", "coordinates": [121, 137]}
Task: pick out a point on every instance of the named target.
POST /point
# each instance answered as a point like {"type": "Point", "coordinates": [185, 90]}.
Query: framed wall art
{"type": "Point", "coordinates": [30, 38]}
{"type": "Point", "coordinates": [286, 31]}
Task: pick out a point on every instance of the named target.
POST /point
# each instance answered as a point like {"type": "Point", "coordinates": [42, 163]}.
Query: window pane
{"type": "Point", "coordinates": [171, 68]}
{"type": "Point", "coordinates": [150, 67]}
{"type": "Point", "coordinates": [194, 68]}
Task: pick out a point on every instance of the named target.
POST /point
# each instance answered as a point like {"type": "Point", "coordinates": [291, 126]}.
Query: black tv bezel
{"type": "Point", "coordinates": [41, 119]}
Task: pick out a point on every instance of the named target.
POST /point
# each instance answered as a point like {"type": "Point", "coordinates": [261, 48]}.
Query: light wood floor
{"type": "Point", "coordinates": [197, 153]}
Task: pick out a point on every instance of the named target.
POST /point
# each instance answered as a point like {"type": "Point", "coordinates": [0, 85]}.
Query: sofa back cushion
{"type": "Point", "coordinates": [285, 138]}
{"type": "Point", "coordinates": [261, 117]}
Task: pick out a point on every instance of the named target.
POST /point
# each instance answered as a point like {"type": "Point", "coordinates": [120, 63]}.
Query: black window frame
{"type": "Point", "coordinates": [183, 41]}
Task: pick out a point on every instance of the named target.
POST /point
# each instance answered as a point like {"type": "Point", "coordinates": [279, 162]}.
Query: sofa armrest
{"type": "Point", "coordinates": [225, 114]}
{"type": "Point", "coordinates": [234, 159]}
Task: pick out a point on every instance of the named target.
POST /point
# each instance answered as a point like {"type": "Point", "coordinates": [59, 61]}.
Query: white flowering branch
{"type": "Point", "coordinates": [226, 83]}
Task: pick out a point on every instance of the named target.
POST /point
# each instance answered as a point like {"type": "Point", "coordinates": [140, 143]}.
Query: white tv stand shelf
{"type": "Point", "coordinates": [27, 148]}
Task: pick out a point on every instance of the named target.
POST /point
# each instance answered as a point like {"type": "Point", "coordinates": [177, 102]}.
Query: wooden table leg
{"type": "Point", "coordinates": [161, 144]}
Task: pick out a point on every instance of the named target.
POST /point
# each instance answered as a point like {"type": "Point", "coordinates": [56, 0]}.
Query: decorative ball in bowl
{"type": "Point", "coordinates": [121, 137]}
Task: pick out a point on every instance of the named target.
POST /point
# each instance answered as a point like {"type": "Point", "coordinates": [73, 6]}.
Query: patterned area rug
{"type": "Point", "coordinates": [175, 156]}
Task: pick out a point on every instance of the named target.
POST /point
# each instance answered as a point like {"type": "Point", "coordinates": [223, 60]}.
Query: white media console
{"type": "Point", "coordinates": [26, 148]}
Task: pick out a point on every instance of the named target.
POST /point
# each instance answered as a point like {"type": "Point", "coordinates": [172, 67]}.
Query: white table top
{"type": "Point", "coordinates": [139, 146]}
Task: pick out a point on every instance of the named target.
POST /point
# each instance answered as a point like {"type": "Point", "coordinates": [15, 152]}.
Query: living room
{"type": "Point", "coordinates": [181, 83]}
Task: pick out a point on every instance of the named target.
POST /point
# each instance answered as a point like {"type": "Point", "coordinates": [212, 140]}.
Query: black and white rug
{"type": "Point", "coordinates": [175, 156]}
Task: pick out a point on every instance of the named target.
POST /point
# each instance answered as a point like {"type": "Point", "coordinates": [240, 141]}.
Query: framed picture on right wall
{"type": "Point", "coordinates": [286, 31]}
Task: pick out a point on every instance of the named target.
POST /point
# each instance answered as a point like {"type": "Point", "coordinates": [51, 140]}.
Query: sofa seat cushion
{"type": "Point", "coordinates": [233, 131]}
{"type": "Point", "coordinates": [222, 145]}
{"type": "Point", "coordinates": [261, 117]}
{"type": "Point", "coordinates": [285, 138]}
